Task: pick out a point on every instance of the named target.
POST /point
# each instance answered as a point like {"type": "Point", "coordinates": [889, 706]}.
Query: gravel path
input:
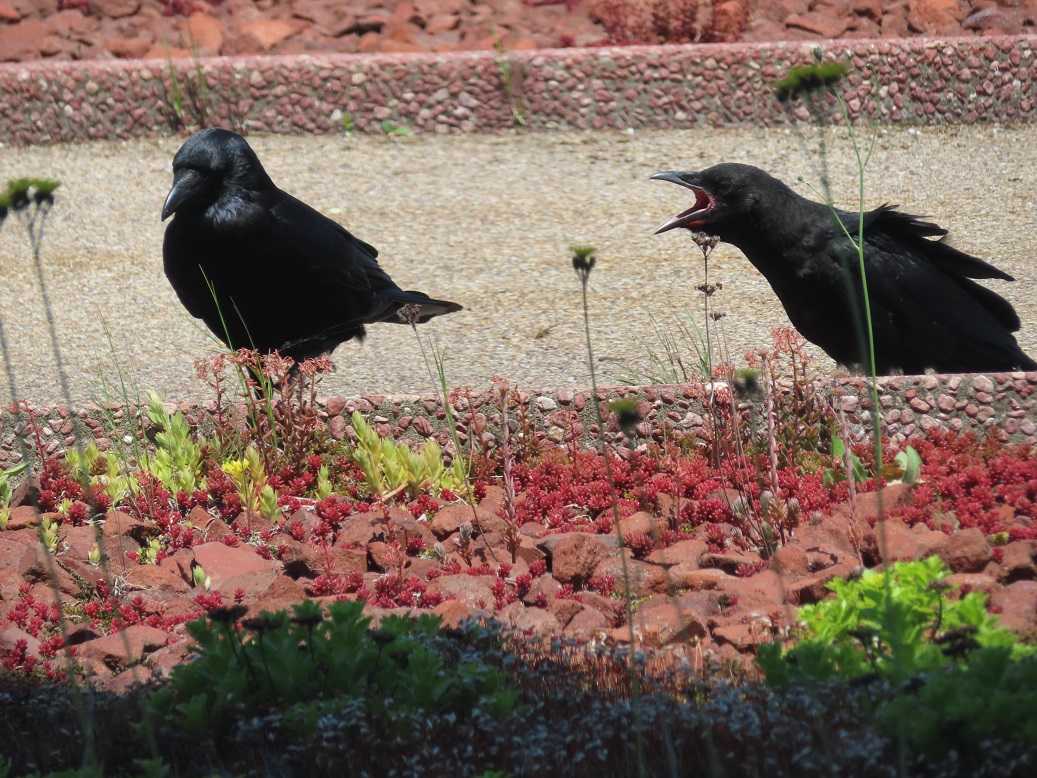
{"type": "Point", "coordinates": [485, 221]}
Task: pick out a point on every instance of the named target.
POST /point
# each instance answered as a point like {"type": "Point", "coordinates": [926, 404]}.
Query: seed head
{"type": "Point", "coordinates": [583, 260]}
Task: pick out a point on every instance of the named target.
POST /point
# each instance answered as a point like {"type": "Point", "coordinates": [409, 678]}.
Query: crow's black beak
{"type": "Point", "coordinates": [681, 179]}
{"type": "Point", "coordinates": [692, 217]}
{"type": "Point", "coordinates": [187, 184]}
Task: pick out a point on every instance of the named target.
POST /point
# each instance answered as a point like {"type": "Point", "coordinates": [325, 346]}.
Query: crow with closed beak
{"type": "Point", "coordinates": [927, 312]}
{"type": "Point", "coordinates": [264, 270]}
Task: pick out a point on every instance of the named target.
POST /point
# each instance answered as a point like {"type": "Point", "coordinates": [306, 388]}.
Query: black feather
{"type": "Point", "coordinates": [262, 268]}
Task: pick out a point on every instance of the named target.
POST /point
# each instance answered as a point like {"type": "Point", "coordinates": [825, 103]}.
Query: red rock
{"type": "Point", "coordinates": [790, 561]}
{"type": "Point", "coordinates": [162, 51]}
{"type": "Point", "coordinates": [564, 610]}
{"type": "Point", "coordinates": [9, 13]}
{"type": "Point", "coordinates": [966, 551]}
{"type": "Point", "coordinates": [964, 583]}
{"type": "Point", "coordinates": [162, 661]}
{"type": "Point", "coordinates": [115, 9]}
{"type": "Point", "coordinates": [267, 33]}
{"type": "Point", "coordinates": [683, 552]}
{"type": "Point", "coordinates": [118, 523]}
{"type": "Point", "coordinates": [23, 516]}
{"type": "Point", "coordinates": [869, 8]}
{"type": "Point", "coordinates": [936, 17]}
{"type": "Point", "coordinates": [440, 23]}
{"type": "Point", "coordinates": [729, 20]}
{"type": "Point", "coordinates": [282, 595]}
{"type": "Point", "coordinates": [230, 569]}
{"type": "Point", "coordinates": [743, 637]}
{"type": "Point", "coordinates": [575, 555]}
{"type": "Point", "coordinates": [530, 620]}
{"type": "Point", "coordinates": [641, 522]}
{"type": "Point", "coordinates": [22, 558]}
{"type": "Point", "coordinates": [361, 528]}
{"type": "Point", "coordinates": [730, 561]}
{"type": "Point", "coordinates": [763, 591]}
{"type": "Point", "coordinates": [123, 648]}
{"type": "Point", "coordinates": [80, 541]}
{"type": "Point", "coordinates": [819, 23]}
{"type": "Point", "coordinates": [689, 577]}
{"type": "Point", "coordinates": [1017, 606]}
{"type": "Point", "coordinates": [897, 542]}
{"type": "Point", "coordinates": [894, 24]}
{"type": "Point", "coordinates": [815, 588]}
{"type": "Point", "coordinates": [1019, 560]}
{"type": "Point", "coordinates": [642, 577]}
{"type": "Point", "coordinates": [155, 578]}
{"type": "Point", "coordinates": [24, 40]}
{"type": "Point", "coordinates": [872, 506]}
{"type": "Point", "coordinates": [11, 634]}
{"type": "Point", "coordinates": [587, 621]}
{"type": "Point", "coordinates": [449, 519]}
{"type": "Point", "coordinates": [545, 586]}
{"type": "Point", "coordinates": [180, 562]}
{"type": "Point", "coordinates": [204, 34]}
{"type": "Point", "coordinates": [473, 590]}
{"type": "Point", "coordinates": [454, 612]}
{"type": "Point", "coordinates": [667, 623]}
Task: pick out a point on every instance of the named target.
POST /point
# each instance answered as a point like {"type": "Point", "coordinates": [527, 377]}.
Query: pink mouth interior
{"type": "Point", "coordinates": [703, 203]}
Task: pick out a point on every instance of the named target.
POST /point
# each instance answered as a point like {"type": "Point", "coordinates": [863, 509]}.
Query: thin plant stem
{"type": "Point", "coordinates": [584, 275]}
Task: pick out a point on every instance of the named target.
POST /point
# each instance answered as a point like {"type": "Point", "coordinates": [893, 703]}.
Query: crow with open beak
{"type": "Point", "coordinates": [263, 269]}
{"type": "Point", "coordinates": [927, 312]}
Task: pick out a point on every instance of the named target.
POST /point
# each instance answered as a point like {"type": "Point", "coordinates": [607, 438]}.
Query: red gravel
{"type": "Point", "coordinates": [162, 29]}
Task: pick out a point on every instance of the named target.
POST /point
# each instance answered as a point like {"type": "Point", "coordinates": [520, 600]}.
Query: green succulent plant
{"type": "Point", "coordinates": [390, 467]}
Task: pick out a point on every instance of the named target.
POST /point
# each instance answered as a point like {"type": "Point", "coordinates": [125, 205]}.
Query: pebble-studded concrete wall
{"type": "Point", "coordinates": [921, 80]}
{"type": "Point", "coordinates": [1003, 404]}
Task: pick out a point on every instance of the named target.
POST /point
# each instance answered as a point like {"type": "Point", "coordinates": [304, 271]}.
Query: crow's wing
{"type": "Point", "coordinates": [925, 315]}
{"type": "Point", "coordinates": [917, 235]}
{"type": "Point", "coordinates": [324, 249]}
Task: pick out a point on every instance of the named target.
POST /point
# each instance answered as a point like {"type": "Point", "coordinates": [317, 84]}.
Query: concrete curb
{"type": "Point", "coordinates": [914, 80]}
{"type": "Point", "coordinates": [1003, 404]}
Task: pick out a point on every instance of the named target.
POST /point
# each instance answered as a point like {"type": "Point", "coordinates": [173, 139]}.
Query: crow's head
{"type": "Point", "coordinates": [725, 196]}
{"type": "Point", "coordinates": [211, 166]}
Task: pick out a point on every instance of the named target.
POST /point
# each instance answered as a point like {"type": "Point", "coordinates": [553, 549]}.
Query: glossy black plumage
{"type": "Point", "coordinates": [927, 312]}
{"type": "Point", "coordinates": [285, 276]}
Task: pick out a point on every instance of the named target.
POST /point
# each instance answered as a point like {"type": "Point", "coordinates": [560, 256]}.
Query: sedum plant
{"type": "Point", "coordinates": [390, 467]}
{"type": "Point", "coordinates": [177, 461]}
{"type": "Point", "coordinates": [249, 476]}
{"type": "Point", "coordinates": [306, 661]}
{"type": "Point", "coordinates": [100, 470]}
{"type": "Point", "coordinates": [6, 491]}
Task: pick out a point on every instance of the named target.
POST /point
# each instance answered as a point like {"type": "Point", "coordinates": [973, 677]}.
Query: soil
{"type": "Point", "coordinates": [107, 29]}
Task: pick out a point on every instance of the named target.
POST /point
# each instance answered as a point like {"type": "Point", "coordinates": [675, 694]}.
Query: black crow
{"type": "Point", "coordinates": [264, 270]}
{"type": "Point", "coordinates": [926, 311]}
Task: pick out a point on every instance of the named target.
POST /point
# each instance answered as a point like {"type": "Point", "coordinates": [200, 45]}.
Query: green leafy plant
{"type": "Point", "coordinates": [306, 659]}
{"type": "Point", "coordinates": [896, 623]}
{"type": "Point", "coordinates": [177, 461]}
{"type": "Point", "coordinates": [6, 491]}
{"type": "Point", "coordinates": [390, 467]}
{"type": "Point", "coordinates": [348, 124]}
{"type": "Point", "coordinates": [90, 467]}
{"type": "Point", "coordinates": [965, 706]}
{"type": "Point", "coordinates": [958, 679]}
{"type": "Point", "coordinates": [394, 130]}
{"type": "Point", "coordinates": [249, 476]}
{"type": "Point", "coordinates": [49, 534]}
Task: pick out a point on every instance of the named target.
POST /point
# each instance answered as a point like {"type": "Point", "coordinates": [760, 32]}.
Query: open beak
{"type": "Point", "coordinates": [689, 218]}
{"type": "Point", "coordinates": [187, 184]}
